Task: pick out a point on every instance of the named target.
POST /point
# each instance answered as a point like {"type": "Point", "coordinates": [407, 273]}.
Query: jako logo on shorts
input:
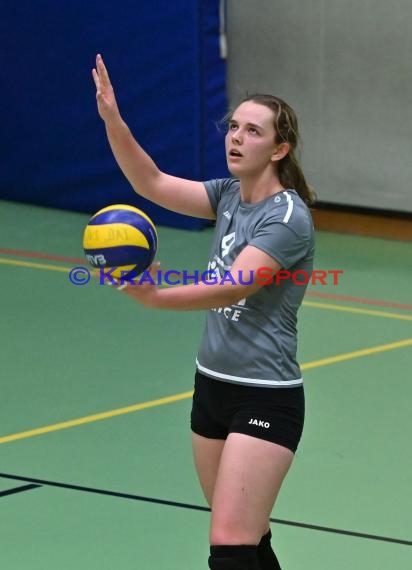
{"type": "Point", "coordinates": [259, 423]}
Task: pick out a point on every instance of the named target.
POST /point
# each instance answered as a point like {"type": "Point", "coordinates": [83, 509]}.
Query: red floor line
{"type": "Point", "coordinates": [318, 294]}
{"type": "Point", "coordinates": [38, 255]}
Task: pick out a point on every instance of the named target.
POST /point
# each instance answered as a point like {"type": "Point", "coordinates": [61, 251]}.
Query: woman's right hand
{"type": "Point", "coordinates": [106, 101]}
{"type": "Point", "coordinates": [177, 194]}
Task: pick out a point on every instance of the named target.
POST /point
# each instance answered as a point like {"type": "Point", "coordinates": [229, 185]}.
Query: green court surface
{"type": "Point", "coordinates": [95, 457]}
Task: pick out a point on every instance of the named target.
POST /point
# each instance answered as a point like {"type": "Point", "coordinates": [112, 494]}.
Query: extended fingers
{"type": "Point", "coordinates": [96, 79]}
{"type": "Point", "coordinates": [154, 267]}
{"type": "Point", "coordinates": [102, 71]}
{"type": "Point", "coordinates": [117, 284]}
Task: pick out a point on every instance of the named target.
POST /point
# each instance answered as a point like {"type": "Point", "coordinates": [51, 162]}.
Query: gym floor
{"type": "Point", "coordinates": [95, 458]}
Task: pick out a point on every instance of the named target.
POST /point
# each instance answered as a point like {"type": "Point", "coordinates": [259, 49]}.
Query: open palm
{"type": "Point", "coordinates": [106, 101]}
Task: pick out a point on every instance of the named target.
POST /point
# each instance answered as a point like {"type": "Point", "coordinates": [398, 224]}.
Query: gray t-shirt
{"type": "Point", "coordinates": [254, 342]}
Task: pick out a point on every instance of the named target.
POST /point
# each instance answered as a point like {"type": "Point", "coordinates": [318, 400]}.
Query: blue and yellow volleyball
{"type": "Point", "coordinates": [120, 237]}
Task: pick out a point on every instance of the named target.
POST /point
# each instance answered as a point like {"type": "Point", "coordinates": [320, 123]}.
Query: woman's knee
{"type": "Point", "coordinates": [234, 532]}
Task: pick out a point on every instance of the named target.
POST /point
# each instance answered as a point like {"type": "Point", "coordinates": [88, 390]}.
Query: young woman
{"type": "Point", "coordinates": [248, 405]}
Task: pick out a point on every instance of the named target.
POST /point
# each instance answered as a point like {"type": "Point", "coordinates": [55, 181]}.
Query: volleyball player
{"type": "Point", "coordinates": [248, 404]}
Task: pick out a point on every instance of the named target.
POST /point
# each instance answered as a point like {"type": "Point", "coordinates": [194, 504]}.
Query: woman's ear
{"type": "Point", "coordinates": [280, 152]}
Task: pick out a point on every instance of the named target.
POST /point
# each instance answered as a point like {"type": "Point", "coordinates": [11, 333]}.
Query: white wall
{"type": "Point", "coordinates": [346, 68]}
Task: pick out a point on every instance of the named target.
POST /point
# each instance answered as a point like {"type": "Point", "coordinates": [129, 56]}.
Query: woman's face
{"type": "Point", "coordinates": [250, 140]}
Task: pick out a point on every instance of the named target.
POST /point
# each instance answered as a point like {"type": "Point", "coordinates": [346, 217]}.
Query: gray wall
{"type": "Point", "coordinates": [346, 68]}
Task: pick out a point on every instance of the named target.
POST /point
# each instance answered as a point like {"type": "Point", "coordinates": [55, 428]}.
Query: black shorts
{"type": "Point", "coordinates": [273, 414]}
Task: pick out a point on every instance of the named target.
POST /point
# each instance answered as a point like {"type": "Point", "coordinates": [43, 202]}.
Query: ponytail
{"type": "Point", "coordinates": [291, 176]}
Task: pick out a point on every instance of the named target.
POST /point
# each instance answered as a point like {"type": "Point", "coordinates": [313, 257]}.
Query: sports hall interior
{"type": "Point", "coordinates": [96, 467]}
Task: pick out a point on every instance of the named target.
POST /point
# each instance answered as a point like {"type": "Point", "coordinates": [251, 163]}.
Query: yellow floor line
{"type": "Point", "coordinates": [357, 354]}
{"type": "Point", "coordinates": [35, 265]}
{"type": "Point", "coordinates": [185, 395]}
{"type": "Point", "coordinates": [96, 417]}
{"type": "Point", "coordinates": [332, 307]}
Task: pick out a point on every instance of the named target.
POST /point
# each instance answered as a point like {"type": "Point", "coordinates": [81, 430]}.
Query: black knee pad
{"type": "Point", "coordinates": [242, 557]}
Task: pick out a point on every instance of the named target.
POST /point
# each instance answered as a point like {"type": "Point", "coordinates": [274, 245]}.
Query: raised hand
{"type": "Point", "coordinates": [106, 101]}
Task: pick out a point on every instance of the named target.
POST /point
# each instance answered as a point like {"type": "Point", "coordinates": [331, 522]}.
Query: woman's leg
{"type": "Point", "coordinates": [241, 477]}
{"type": "Point", "coordinates": [207, 453]}
{"type": "Point", "coordinates": [250, 475]}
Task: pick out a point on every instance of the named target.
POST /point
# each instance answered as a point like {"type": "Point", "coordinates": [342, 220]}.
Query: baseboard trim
{"type": "Point", "coordinates": [365, 222]}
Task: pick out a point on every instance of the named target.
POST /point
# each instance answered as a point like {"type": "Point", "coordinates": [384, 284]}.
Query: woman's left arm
{"type": "Point", "coordinates": [250, 262]}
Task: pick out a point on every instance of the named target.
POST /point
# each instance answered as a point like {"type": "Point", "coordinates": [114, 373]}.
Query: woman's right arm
{"type": "Point", "coordinates": [176, 194]}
